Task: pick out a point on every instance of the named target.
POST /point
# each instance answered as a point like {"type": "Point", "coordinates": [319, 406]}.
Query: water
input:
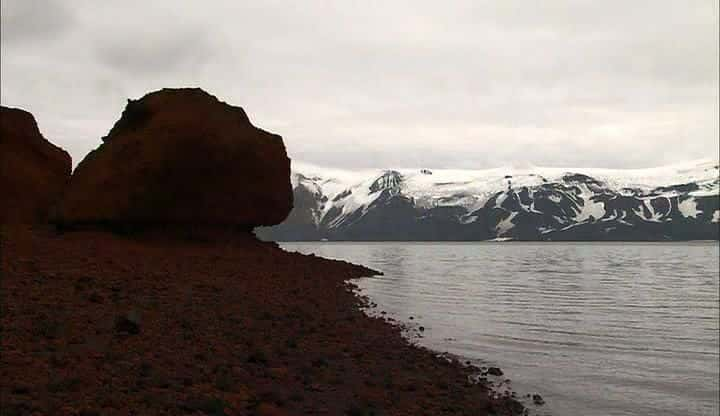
{"type": "Point", "coordinates": [595, 328]}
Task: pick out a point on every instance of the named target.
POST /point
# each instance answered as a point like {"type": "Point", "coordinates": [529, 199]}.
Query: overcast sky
{"type": "Point", "coordinates": [469, 84]}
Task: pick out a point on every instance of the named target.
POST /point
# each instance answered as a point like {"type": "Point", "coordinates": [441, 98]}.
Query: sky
{"type": "Point", "coordinates": [387, 84]}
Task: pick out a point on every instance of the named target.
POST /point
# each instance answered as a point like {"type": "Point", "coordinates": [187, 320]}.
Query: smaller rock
{"type": "Point", "coordinates": [494, 371]}
{"type": "Point", "coordinates": [279, 372]}
{"type": "Point", "coordinates": [34, 173]}
{"type": "Point", "coordinates": [421, 329]}
{"type": "Point", "coordinates": [538, 400]}
{"type": "Point", "coordinates": [316, 387]}
{"type": "Point", "coordinates": [269, 409]}
{"type": "Point", "coordinates": [128, 323]}
{"type": "Point", "coordinates": [21, 389]}
{"type": "Point", "coordinates": [96, 298]}
{"type": "Point", "coordinates": [258, 357]}
{"type": "Point", "coordinates": [320, 362]}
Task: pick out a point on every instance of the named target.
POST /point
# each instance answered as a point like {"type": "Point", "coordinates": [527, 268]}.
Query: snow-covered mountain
{"type": "Point", "coordinates": [677, 202]}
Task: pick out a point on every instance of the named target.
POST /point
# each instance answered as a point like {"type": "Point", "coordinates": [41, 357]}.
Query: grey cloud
{"type": "Point", "coordinates": [141, 53]}
{"type": "Point", "coordinates": [399, 83]}
{"type": "Point", "coordinates": [34, 20]}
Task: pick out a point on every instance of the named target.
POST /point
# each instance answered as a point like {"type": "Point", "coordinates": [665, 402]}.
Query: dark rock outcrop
{"type": "Point", "coordinates": [181, 157]}
{"type": "Point", "coordinates": [33, 171]}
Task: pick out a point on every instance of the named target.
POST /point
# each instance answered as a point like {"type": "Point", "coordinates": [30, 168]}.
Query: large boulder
{"type": "Point", "coordinates": [181, 157]}
{"type": "Point", "coordinates": [33, 171]}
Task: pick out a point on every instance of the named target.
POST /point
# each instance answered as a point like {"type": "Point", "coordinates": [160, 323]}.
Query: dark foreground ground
{"type": "Point", "coordinates": [97, 324]}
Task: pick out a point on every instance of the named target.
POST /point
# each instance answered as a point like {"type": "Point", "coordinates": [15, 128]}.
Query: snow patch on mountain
{"type": "Point", "coordinates": [590, 208]}
{"type": "Point", "coordinates": [688, 208]}
{"type": "Point", "coordinates": [506, 224]}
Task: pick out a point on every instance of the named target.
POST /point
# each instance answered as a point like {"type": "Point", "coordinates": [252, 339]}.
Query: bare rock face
{"type": "Point", "coordinates": [33, 171]}
{"type": "Point", "coordinates": [181, 157]}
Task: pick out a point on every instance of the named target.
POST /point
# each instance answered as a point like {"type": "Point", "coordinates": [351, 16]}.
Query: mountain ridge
{"type": "Point", "coordinates": [674, 202]}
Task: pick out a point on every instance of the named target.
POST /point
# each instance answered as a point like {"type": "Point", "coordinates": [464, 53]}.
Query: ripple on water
{"type": "Point", "coordinates": [597, 329]}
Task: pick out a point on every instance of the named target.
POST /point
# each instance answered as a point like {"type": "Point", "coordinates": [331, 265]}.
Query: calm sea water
{"type": "Point", "coordinates": [596, 329]}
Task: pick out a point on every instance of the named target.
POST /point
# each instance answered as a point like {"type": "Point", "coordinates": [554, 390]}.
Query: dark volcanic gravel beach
{"type": "Point", "coordinates": [99, 324]}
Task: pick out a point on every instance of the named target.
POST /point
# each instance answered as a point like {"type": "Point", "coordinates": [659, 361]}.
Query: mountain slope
{"type": "Point", "coordinates": [678, 202]}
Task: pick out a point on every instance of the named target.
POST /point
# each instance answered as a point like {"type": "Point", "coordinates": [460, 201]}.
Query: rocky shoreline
{"type": "Point", "coordinates": [135, 286]}
{"type": "Point", "coordinates": [99, 324]}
